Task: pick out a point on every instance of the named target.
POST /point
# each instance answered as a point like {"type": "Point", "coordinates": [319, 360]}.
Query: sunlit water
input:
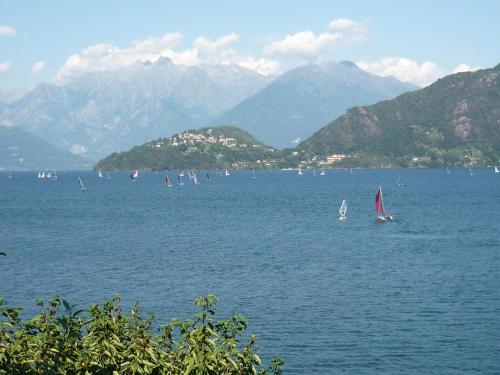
{"type": "Point", "coordinates": [419, 295]}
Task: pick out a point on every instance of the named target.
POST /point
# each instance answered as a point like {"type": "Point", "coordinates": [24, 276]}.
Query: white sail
{"type": "Point", "coordinates": [496, 169]}
{"type": "Point", "coordinates": [322, 173]}
{"type": "Point", "coordinates": [300, 171]}
{"type": "Point", "coordinates": [82, 186]}
{"type": "Point", "coordinates": [343, 209]}
{"type": "Point", "coordinates": [253, 174]}
{"type": "Point", "coordinates": [99, 174]}
{"type": "Point", "coordinates": [227, 173]}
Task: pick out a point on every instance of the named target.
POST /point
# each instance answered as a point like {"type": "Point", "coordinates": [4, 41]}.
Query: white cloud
{"type": "Point", "coordinates": [465, 68]}
{"type": "Point", "coordinates": [303, 44]}
{"type": "Point", "coordinates": [307, 44]}
{"type": "Point", "coordinates": [101, 57]}
{"type": "Point", "coordinates": [77, 149]}
{"type": "Point", "coordinates": [350, 31]}
{"type": "Point", "coordinates": [38, 67]}
{"type": "Point", "coordinates": [262, 66]}
{"type": "Point", "coordinates": [4, 67]}
{"type": "Point", "coordinates": [7, 31]}
{"type": "Point", "coordinates": [404, 69]}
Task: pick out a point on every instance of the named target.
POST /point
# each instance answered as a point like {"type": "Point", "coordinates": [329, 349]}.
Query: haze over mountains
{"type": "Point", "coordinates": [104, 112]}
{"type": "Point", "coordinates": [304, 99]}
{"type": "Point", "coordinates": [22, 150]}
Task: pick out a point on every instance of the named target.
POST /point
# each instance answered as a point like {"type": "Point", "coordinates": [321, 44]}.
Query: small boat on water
{"type": "Point", "coordinates": [82, 186]}
{"type": "Point", "coordinates": [496, 169]}
{"type": "Point", "coordinates": [379, 207]}
{"type": "Point", "coordinates": [300, 172]}
{"type": "Point", "coordinates": [322, 173]}
{"type": "Point", "coordinates": [253, 174]}
{"type": "Point", "coordinates": [227, 173]}
{"type": "Point", "coordinates": [99, 174]}
{"type": "Point", "coordinates": [135, 175]}
{"type": "Point", "coordinates": [343, 210]}
{"type": "Point", "coordinates": [168, 182]}
{"type": "Point", "coordinates": [179, 179]}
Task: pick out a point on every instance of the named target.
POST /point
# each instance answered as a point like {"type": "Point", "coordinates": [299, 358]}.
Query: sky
{"type": "Point", "coordinates": [55, 41]}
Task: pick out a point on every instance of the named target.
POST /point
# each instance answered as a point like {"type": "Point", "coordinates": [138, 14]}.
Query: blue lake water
{"type": "Point", "coordinates": [418, 295]}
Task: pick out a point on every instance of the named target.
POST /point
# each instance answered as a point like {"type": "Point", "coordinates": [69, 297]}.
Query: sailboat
{"type": "Point", "coordinates": [398, 181]}
{"type": "Point", "coordinates": [343, 210]}
{"type": "Point", "coordinates": [253, 174]}
{"type": "Point", "coordinates": [322, 173]}
{"type": "Point", "coordinates": [54, 175]}
{"type": "Point", "coordinates": [496, 169]}
{"type": "Point", "coordinates": [48, 175]}
{"type": "Point", "coordinates": [227, 173]}
{"type": "Point", "coordinates": [179, 178]}
{"type": "Point", "coordinates": [168, 182]}
{"type": "Point", "coordinates": [379, 207]}
{"type": "Point", "coordinates": [135, 175]}
{"type": "Point", "coordinates": [300, 172]}
{"type": "Point", "coordinates": [39, 174]}
{"type": "Point", "coordinates": [82, 186]}
{"type": "Point", "coordinates": [99, 174]}
{"type": "Point", "coordinates": [195, 179]}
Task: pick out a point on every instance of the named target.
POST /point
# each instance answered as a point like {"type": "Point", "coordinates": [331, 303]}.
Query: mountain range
{"type": "Point", "coordinates": [454, 121]}
{"type": "Point", "coordinates": [22, 150]}
{"type": "Point", "coordinates": [103, 112]}
{"type": "Point", "coordinates": [296, 104]}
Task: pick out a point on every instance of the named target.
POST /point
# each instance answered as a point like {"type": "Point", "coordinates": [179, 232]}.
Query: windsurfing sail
{"type": "Point", "coordinates": [82, 186]}
{"type": "Point", "coordinates": [300, 171]}
{"type": "Point", "coordinates": [227, 173]}
{"type": "Point", "coordinates": [496, 169]}
{"type": "Point", "coordinates": [168, 182]}
{"type": "Point", "coordinates": [322, 173]}
{"type": "Point", "coordinates": [135, 175]}
{"type": "Point", "coordinates": [379, 201]}
{"type": "Point", "coordinates": [195, 179]}
{"type": "Point", "coordinates": [253, 174]}
{"type": "Point", "coordinates": [99, 174]}
{"type": "Point", "coordinates": [343, 209]}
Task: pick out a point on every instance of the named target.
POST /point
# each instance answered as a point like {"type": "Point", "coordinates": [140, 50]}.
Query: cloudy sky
{"type": "Point", "coordinates": [418, 42]}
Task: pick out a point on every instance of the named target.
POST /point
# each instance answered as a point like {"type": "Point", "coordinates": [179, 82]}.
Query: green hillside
{"type": "Point", "coordinates": [455, 121]}
{"type": "Point", "coordinates": [216, 147]}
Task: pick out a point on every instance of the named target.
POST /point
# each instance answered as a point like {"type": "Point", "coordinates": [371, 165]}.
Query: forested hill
{"type": "Point", "coordinates": [454, 121]}
{"type": "Point", "coordinates": [216, 147]}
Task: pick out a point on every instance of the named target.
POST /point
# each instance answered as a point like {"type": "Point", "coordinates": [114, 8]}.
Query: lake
{"type": "Point", "coordinates": [417, 295]}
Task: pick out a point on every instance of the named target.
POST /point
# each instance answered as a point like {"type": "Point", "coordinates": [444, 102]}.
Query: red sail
{"type": "Point", "coordinates": [379, 206]}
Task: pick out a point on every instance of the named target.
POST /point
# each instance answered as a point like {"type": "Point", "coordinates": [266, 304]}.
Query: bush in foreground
{"type": "Point", "coordinates": [105, 340]}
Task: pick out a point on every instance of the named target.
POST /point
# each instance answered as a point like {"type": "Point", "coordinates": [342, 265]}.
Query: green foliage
{"type": "Point", "coordinates": [452, 122]}
{"type": "Point", "coordinates": [243, 151]}
{"type": "Point", "coordinates": [105, 340]}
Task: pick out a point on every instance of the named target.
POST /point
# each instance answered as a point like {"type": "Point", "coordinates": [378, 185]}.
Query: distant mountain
{"type": "Point", "coordinates": [102, 112]}
{"type": "Point", "coordinates": [22, 150]}
{"type": "Point", "coordinates": [454, 121]}
{"type": "Point", "coordinates": [302, 100]}
{"type": "Point", "coordinates": [218, 147]}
